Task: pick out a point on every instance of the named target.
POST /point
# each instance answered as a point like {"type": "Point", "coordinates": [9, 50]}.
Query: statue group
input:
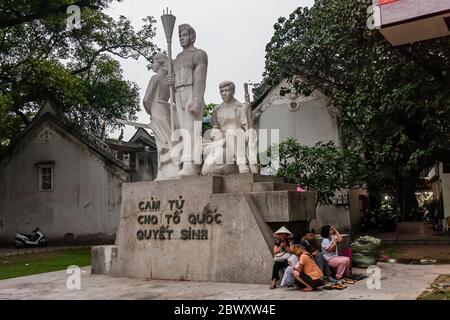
{"type": "Point", "coordinates": [178, 130]}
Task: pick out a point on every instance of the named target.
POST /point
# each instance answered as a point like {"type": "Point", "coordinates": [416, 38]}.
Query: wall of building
{"type": "Point", "coordinates": [356, 206]}
{"type": "Point", "coordinates": [85, 201]}
{"type": "Point", "coordinates": [311, 123]}
{"type": "Point", "coordinates": [339, 217]}
{"type": "Point", "coordinates": [146, 166]}
{"type": "Point", "coordinates": [445, 187]}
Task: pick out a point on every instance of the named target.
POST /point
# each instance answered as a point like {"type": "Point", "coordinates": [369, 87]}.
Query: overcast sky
{"type": "Point", "coordinates": [233, 34]}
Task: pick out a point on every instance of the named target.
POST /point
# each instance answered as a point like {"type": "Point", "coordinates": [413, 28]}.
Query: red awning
{"type": "Point", "coordinates": [381, 2]}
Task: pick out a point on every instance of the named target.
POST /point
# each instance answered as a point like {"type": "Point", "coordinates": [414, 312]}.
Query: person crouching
{"type": "Point", "coordinates": [307, 273]}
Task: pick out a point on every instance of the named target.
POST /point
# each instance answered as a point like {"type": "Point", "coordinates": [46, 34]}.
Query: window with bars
{"type": "Point", "coordinates": [46, 177]}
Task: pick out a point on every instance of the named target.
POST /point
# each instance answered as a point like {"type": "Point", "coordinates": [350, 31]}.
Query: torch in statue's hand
{"type": "Point", "coordinates": [169, 80]}
{"type": "Point", "coordinates": [168, 21]}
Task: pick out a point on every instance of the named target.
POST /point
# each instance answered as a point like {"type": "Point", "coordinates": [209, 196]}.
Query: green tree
{"type": "Point", "coordinates": [43, 60]}
{"type": "Point", "coordinates": [209, 109]}
{"type": "Point", "coordinates": [207, 116]}
{"type": "Point", "coordinates": [323, 168]}
{"type": "Point", "coordinates": [394, 102]}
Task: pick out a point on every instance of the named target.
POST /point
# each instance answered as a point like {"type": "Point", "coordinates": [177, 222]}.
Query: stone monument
{"type": "Point", "coordinates": [156, 103]}
{"type": "Point", "coordinates": [189, 79]}
{"type": "Point", "coordinates": [227, 152]}
{"type": "Point", "coordinates": [216, 227]}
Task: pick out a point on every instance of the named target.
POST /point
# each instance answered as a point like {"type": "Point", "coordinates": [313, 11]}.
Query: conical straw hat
{"type": "Point", "coordinates": [281, 231]}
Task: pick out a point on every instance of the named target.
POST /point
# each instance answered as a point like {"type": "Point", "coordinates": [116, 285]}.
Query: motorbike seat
{"type": "Point", "coordinates": [29, 236]}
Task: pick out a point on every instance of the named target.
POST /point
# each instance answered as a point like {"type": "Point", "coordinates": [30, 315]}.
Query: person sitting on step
{"type": "Point", "coordinates": [307, 273]}
{"type": "Point", "coordinates": [331, 237]}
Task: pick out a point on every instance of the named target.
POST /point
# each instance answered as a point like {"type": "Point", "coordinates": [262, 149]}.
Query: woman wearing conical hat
{"type": "Point", "coordinates": [281, 253]}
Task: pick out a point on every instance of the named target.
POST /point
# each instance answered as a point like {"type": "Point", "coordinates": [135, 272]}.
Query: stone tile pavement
{"type": "Point", "coordinates": [398, 281]}
{"type": "Point", "coordinates": [415, 232]}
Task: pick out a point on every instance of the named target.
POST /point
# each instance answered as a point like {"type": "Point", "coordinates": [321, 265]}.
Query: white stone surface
{"type": "Point", "coordinates": [220, 254]}
{"type": "Point", "coordinates": [399, 282]}
{"type": "Point", "coordinates": [190, 68]}
{"type": "Point", "coordinates": [157, 106]}
{"type": "Point", "coordinates": [233, 239]}
{"type": "Point", "coordinates": [229, 152]}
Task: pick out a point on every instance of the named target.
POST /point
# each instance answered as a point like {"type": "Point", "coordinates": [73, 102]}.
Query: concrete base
{"type": "Point", "coordinates": [339, 217]}
{"type": "Point", "coordinates": [398, 282]}
{"type": "Point", "coordinates": [202, 228]}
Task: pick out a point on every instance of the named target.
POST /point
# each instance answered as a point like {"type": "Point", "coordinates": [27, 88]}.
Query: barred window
{"type": "Point", "coordinates": [46, 178]}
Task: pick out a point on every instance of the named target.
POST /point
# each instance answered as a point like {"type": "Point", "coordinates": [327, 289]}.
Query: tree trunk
{"type": "Point", "coordinates": [406, 193]}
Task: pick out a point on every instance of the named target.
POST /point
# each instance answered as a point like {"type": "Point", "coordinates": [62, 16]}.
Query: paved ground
{"type": "Point", "coordinates": [398, 281]}
{"type": "Point", "coordinates": [413, 233]}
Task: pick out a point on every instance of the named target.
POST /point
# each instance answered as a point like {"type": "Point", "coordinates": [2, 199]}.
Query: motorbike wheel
{"type": "Point", "coordinates": [43, 243]}
{"type": "Point", "coordinates": [19, 244]}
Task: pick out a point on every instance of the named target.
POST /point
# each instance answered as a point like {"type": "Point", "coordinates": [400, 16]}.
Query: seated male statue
{"type": "Point", "coordinates": [227, 152]}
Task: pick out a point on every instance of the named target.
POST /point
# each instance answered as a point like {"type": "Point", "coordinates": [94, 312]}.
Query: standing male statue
{"type": "Point", "coordinates": [189, 80]}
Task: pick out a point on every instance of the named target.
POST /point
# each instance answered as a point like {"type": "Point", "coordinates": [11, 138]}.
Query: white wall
{"type": "Point", "coordinates": [86, 196]}
{"type": "Point", "coordinates": [314, 121]}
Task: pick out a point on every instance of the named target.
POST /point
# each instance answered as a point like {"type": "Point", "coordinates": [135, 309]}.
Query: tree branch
{"type": "Point", "coordinates": [22, 116]}
{"type": "Point", "coordinates": [43, 12]}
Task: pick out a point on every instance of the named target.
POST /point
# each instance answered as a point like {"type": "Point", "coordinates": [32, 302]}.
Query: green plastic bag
{"type": "Point", "coordinates": [365, 251]}
{"type": "Point", "coordinates": [363, 261]}
{"type": "Point", "coordinates": [366, 244]}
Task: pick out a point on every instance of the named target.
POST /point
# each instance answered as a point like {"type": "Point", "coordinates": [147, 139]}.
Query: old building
{"type": "Point", "coordinates": [439, 177]}
{"type": "Point", "coordinates": [309, 119]}
{"type": "Point", "coordinates": [64, 180]}
{"type": "Point", "coordinates": [140, 154]}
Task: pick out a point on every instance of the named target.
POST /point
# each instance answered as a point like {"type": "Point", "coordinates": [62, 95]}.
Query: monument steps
{"type": "Point", "coordinates": [246, 183]}
{"type": "Point", "coordinates": [273, 186]}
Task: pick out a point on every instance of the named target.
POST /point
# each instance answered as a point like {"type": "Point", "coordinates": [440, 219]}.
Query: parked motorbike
{"type": "Point", "coordinates": [36, 239]}
{"type": "Point", "coordinates": [369, 220]}
{"type": "Point", "coordinates": [388, 220]}
{"type": "Point", "coordinates": [427, 216]}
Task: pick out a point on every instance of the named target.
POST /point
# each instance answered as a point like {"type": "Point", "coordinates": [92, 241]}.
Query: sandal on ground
{"type": "Point", "coordinates": [348, 281]}
{"type": "Point", "coordinates": [328, 286]}
{"type": "Point", "coordinates": [339, 286]}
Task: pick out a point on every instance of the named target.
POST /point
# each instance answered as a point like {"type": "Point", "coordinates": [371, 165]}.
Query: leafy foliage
{"type": "Point", "coordinates": [394, 102]}
{"type": "Point", "coordinates": [323, 168]}
{"type": "Point", "coordinates": [209, 109]}
{"type": "Point", "coordinates": [43, 60]}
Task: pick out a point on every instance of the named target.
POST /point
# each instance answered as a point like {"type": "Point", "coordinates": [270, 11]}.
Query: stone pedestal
{"type": "Point", "coordinates": [208, 228]}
